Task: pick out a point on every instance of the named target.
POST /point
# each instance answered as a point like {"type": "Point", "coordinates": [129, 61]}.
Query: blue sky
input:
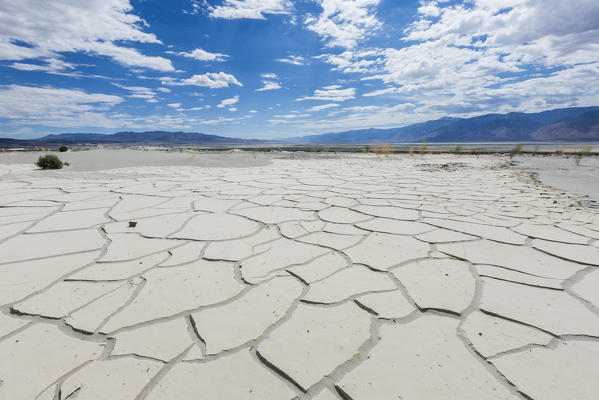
{"type": "Point", "coordinates": [281, 68]}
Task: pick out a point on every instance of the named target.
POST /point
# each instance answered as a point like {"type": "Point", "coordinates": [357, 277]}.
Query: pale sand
{"type": "Point", "coordinates": [97, 160]}
{"type": "Point", "coordinates": [565, 173]}
{"type": "Point", "coordinates": [328, 277]}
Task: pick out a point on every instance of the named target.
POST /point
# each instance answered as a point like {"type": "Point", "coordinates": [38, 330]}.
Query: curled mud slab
{"type": "Point", "coordinates": [350, 277]}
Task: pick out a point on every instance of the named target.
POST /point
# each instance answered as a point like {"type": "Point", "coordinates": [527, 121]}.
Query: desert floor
{"type": "Point", "coordinates": [353, 277]}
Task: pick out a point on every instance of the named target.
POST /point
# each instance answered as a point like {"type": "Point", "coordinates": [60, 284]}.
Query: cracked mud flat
{"type": "Point", "coordinates": [332, 278]}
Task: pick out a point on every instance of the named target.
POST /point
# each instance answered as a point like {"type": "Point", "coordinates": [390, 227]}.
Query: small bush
{"type": "Point", "coordinates": [585, 152]}
{"type": "Point", "coordinates": [386, 149]}
{"type": "Point", "coordinates": [456, 150]}
{"type": "Point", "coordinates": [423, 147]}
{"type": "Point", "coordinates": [515, 151]}
{"type": "Point", "coordinates": [561, 150]}
{"type": "Point", "coordinates": [62, 149]}
{"type": "Point", "coordinates": [50, 161]}
{"type": "Point", "coordinates": [381, 149]}
{"type": "Point", "coordinates": [377, 148]}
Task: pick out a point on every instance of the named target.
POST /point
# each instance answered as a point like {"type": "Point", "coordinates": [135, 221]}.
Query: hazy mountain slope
{"type": "Point", "coordinates": [581, 127]}
{"type": "Point", "coordinates": [567, 124]}
{"type": "Point", "coordinates": [153, 137]}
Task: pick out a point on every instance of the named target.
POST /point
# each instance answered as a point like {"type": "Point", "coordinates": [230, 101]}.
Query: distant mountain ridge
{"type": "Point", "coordinates": [566, 124]}
{"type": "Point", "coordinates": [149, 137]}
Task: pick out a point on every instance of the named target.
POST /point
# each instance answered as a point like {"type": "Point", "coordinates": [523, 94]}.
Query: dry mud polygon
{"type": "Point", "coordinates": [331, 278]}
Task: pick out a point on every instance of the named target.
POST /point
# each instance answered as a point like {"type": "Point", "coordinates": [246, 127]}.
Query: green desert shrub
{"type": "Point", "coordinates": [62, 149]}
{"type": "Point", "coordinates": [50, 161]}
{"type": "Point", "coordinates": [516, 151]}
{"type": "Point", "coordinates": [456, 150]}
{"type": "Point", "coordinates": [585, 152]}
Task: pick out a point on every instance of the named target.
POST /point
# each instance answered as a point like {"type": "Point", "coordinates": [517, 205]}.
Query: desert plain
{"type": "Point", "coordinates": [279, 277]}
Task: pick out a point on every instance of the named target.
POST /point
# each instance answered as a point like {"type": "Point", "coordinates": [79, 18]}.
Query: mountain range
{"type": "Point", "coordinates": [153, 137]}
{"type": "Point", "coordinates": [160, 138]}
{"type": "Point", "coordinates": [565, 124]}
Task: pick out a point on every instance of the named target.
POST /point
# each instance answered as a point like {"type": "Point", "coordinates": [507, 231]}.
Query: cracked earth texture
{"type": "Point", "coordinates": [348, 278]}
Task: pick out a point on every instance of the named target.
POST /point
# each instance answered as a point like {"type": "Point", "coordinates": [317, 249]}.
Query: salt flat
{"type": "Point", "coordinates": [333, 277]}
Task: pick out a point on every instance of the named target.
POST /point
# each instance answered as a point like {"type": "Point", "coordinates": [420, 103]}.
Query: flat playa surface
{"type": "Point", "coordinates": [564, 173]}
{"type": "Point", "coordinates": [333, 277]}
{"type": "Point", "coordinates": [97, 159]}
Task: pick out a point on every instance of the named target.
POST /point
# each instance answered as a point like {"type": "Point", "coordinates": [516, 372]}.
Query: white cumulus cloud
{"type": "Point", "coordinates": [323, 107]}
{"type": "Point", "coordinates": [251, 9]}
{"type": "Point", "coordinates": [213, 80]}
{"type": "Point", "coordinates": [333, 95]}
{"type": "Point", "coordinates": [228, 102]}
{"type": "Point", "coordinates": [97, 27]}
{"type": "Point", "coordinates": [139, 92]}
{"type": "Point", "coordinates": [203, 55]}
{"type": "Point", "coordinates": [269, 85]}
{"type": "Point", "coordinates": [48, 106]}
{"type": "Point", "coordinates": [295, 60]}
{"type": "Point", "coordinates": [478, 56]}
{"type": "Point", "coordinates": [344, 22]}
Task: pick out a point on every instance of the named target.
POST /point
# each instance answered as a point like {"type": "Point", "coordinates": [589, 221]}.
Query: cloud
{"type": "Point", "coordinates": [270, 82]}
{"type": "Point", "coordinates": [343, 22]}
{"type": "Point", "coordinates": [323, 107]}
{"type": "Point", "coordinates": [228, 102]}
{"type": "Point", "coordinates": [331, 94]}
{"type": "Point", "coordinates": [213, 80]}
{"type": "Point", "coordinates": [295, 60]}
{"type": "Point", "coordinates": [97, 27]}
{"type": "Point", "coordinates": [351, 61]}
{"type": "Point", "coordinates": [287, 116]}
{"type": "Point", "coordinates": [216, 121]}
{"type": "Point", "coordinates": [429, 9]}
{"type": "Point", "coordinates": [233, 109]}
{"type": "Point", "coordinates": [175, 105]}
{"type": "Point", "coordinates": [203, 55]}
{"type": "Point", "coordinates": [471, 55]}
{"type": "Point", "coordinates": [360, 117]}
{"type": "Point", "coordinates": [251, 9]}
{"type": "Point", "coordinates": [48, 106]}
{"type": "Point", "coordinates": [51, 65]}
{"type": "Point", "coordinates": [139, 92]}
{"type": "Point", "coordinates": [206, 107]}
{"type": "Point", "coordinates": [131, 57]}
{"type": "Point", "coordinates": [380, 92]}
{"type": "Point", "coordinates": [24, 106]}
{"type": "Point", "coordinates": [479, 56]}
{"type": "Point", "coordinates": [195, 8]}
{"type": "Point", "coordinates": [269, 85]}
